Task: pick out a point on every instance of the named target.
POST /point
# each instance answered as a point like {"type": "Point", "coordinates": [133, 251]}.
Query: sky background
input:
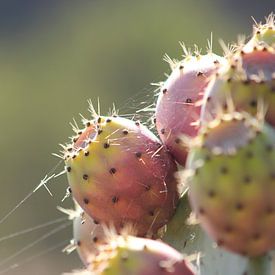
{"type": "Point", "coordinates": [57, 54]}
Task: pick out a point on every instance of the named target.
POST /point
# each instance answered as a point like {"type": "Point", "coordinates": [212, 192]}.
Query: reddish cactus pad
{"type": "Point", "coordinates": [119, 173]}
{"type": "Point", "coordinates": [178, 108]}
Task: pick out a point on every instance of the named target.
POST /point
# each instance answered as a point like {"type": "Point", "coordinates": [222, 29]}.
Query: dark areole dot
{"type": "Point", "coordinates": [162, 131]}
{"type": "Point", "coordinates": [112, 171]}
{"type": "Point", "coordinates": [224, 170]}
{"type": "Point", "coordinates": [225, 106]}
{"type": "Point", "coordinates": [108, 120]}
{"type": "Point", "coordinates": [86, 201]}
{"type": "Point", "coordinates": [85, 176]}
{"type": "Point", "coordinates": [239, 206]}
{"type": "Point", "coordinates": [78, 243]}
{"type": "Point", "coordinates": [69, 169]}
{"type": "Point", "coordinates": [114, 199]}
{"type": "Point", "coordinates": [188, 100]}
{"type": "Point", "coordinates": [211, 194]}
{"type": "Point", "coordinates": [106, 145]}
{"type": "Point", "coordinates": [87, 153]}
{"type": "Point", "coordinates": [138, 154]}
{"type": "Point", "coordinates": [253, 103]}
{"type": "Point", "coordinates": [121, 225]}
{"type": "Point", "coordinates": [201, 211]}
{"type": "Point", "coordinates": [95, 239]}
{"type": "Point", "coordinates": [199, 73]}
{"type": "Point", "coordinates": [125, 132]}
{"type": "Point", "coordinates": [247, 179]}
{"type": "Point", "coordinates": [164, 91]}
{"type": "Point", "coordinates": [228, 229]}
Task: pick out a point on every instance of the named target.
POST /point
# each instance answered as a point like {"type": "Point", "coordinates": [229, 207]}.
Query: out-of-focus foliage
{"type": "Point", "coordinates": [54, 55]}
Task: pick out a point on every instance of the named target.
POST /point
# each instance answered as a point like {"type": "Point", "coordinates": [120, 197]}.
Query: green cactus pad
{"type": "Point", "coordinates": [232, 186]}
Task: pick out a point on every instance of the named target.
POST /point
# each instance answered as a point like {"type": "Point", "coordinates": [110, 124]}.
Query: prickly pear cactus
{"type": "Point", "coordinates": [87, 237]}
{"type": "Point", "coordinates": [247, 81]}
{"type": "Point", "coordinates": [119, 173]}
{"type": "Point", "coordinates": [138, 256]}
{"type": "Point", "coordinates": [216, 112]}
{"type": "Point", "coordinates": [177, 113]}
{"type": "Point", "coordinates": [231, 183]}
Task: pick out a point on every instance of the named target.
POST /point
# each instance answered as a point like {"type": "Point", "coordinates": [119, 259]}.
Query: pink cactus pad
{"type": "Point", "coordinates": [178, 106]}
{"type": "Point", "coordinates": [87, 237]}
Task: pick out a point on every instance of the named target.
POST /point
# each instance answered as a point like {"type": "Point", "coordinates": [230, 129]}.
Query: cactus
{"type": "Point", "coordinates": [119, 173]}
{"type": "Point", "coordinates": [138, 256]}
{"type": "Point", "coordinates": [176, 112]}
{"type": "Point", "coordinates": [257, 55]}
{"type": "Point", "coordinates": [87, 237]}
{"type": "Point", "coordinates": [247, 80]}
{"type": "Point", "coordinates": [218, 113]}
{"type": "Point", "coordinates": [235, 202]}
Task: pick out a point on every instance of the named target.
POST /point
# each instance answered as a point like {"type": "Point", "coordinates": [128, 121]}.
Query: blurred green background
{"type": "Point", "coordinates": [56, 54]}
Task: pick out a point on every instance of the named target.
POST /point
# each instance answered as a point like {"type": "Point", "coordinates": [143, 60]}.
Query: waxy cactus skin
{"type": "Point", "coordinates": [87, 237]}
{"type": "Point", "coordinates": [247, 81]}
{"type": "Point", "coordinates": [119, 173]}
{"type": "Point", "coordinates": [232, 184]}
{"type": "Point", "coordinates": [178, 107]}
{"type": "Point", "coordinates": [138, 256]}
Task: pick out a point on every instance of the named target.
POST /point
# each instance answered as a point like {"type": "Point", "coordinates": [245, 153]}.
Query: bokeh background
{"type": "Point", "coordinates": [56, 54]}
